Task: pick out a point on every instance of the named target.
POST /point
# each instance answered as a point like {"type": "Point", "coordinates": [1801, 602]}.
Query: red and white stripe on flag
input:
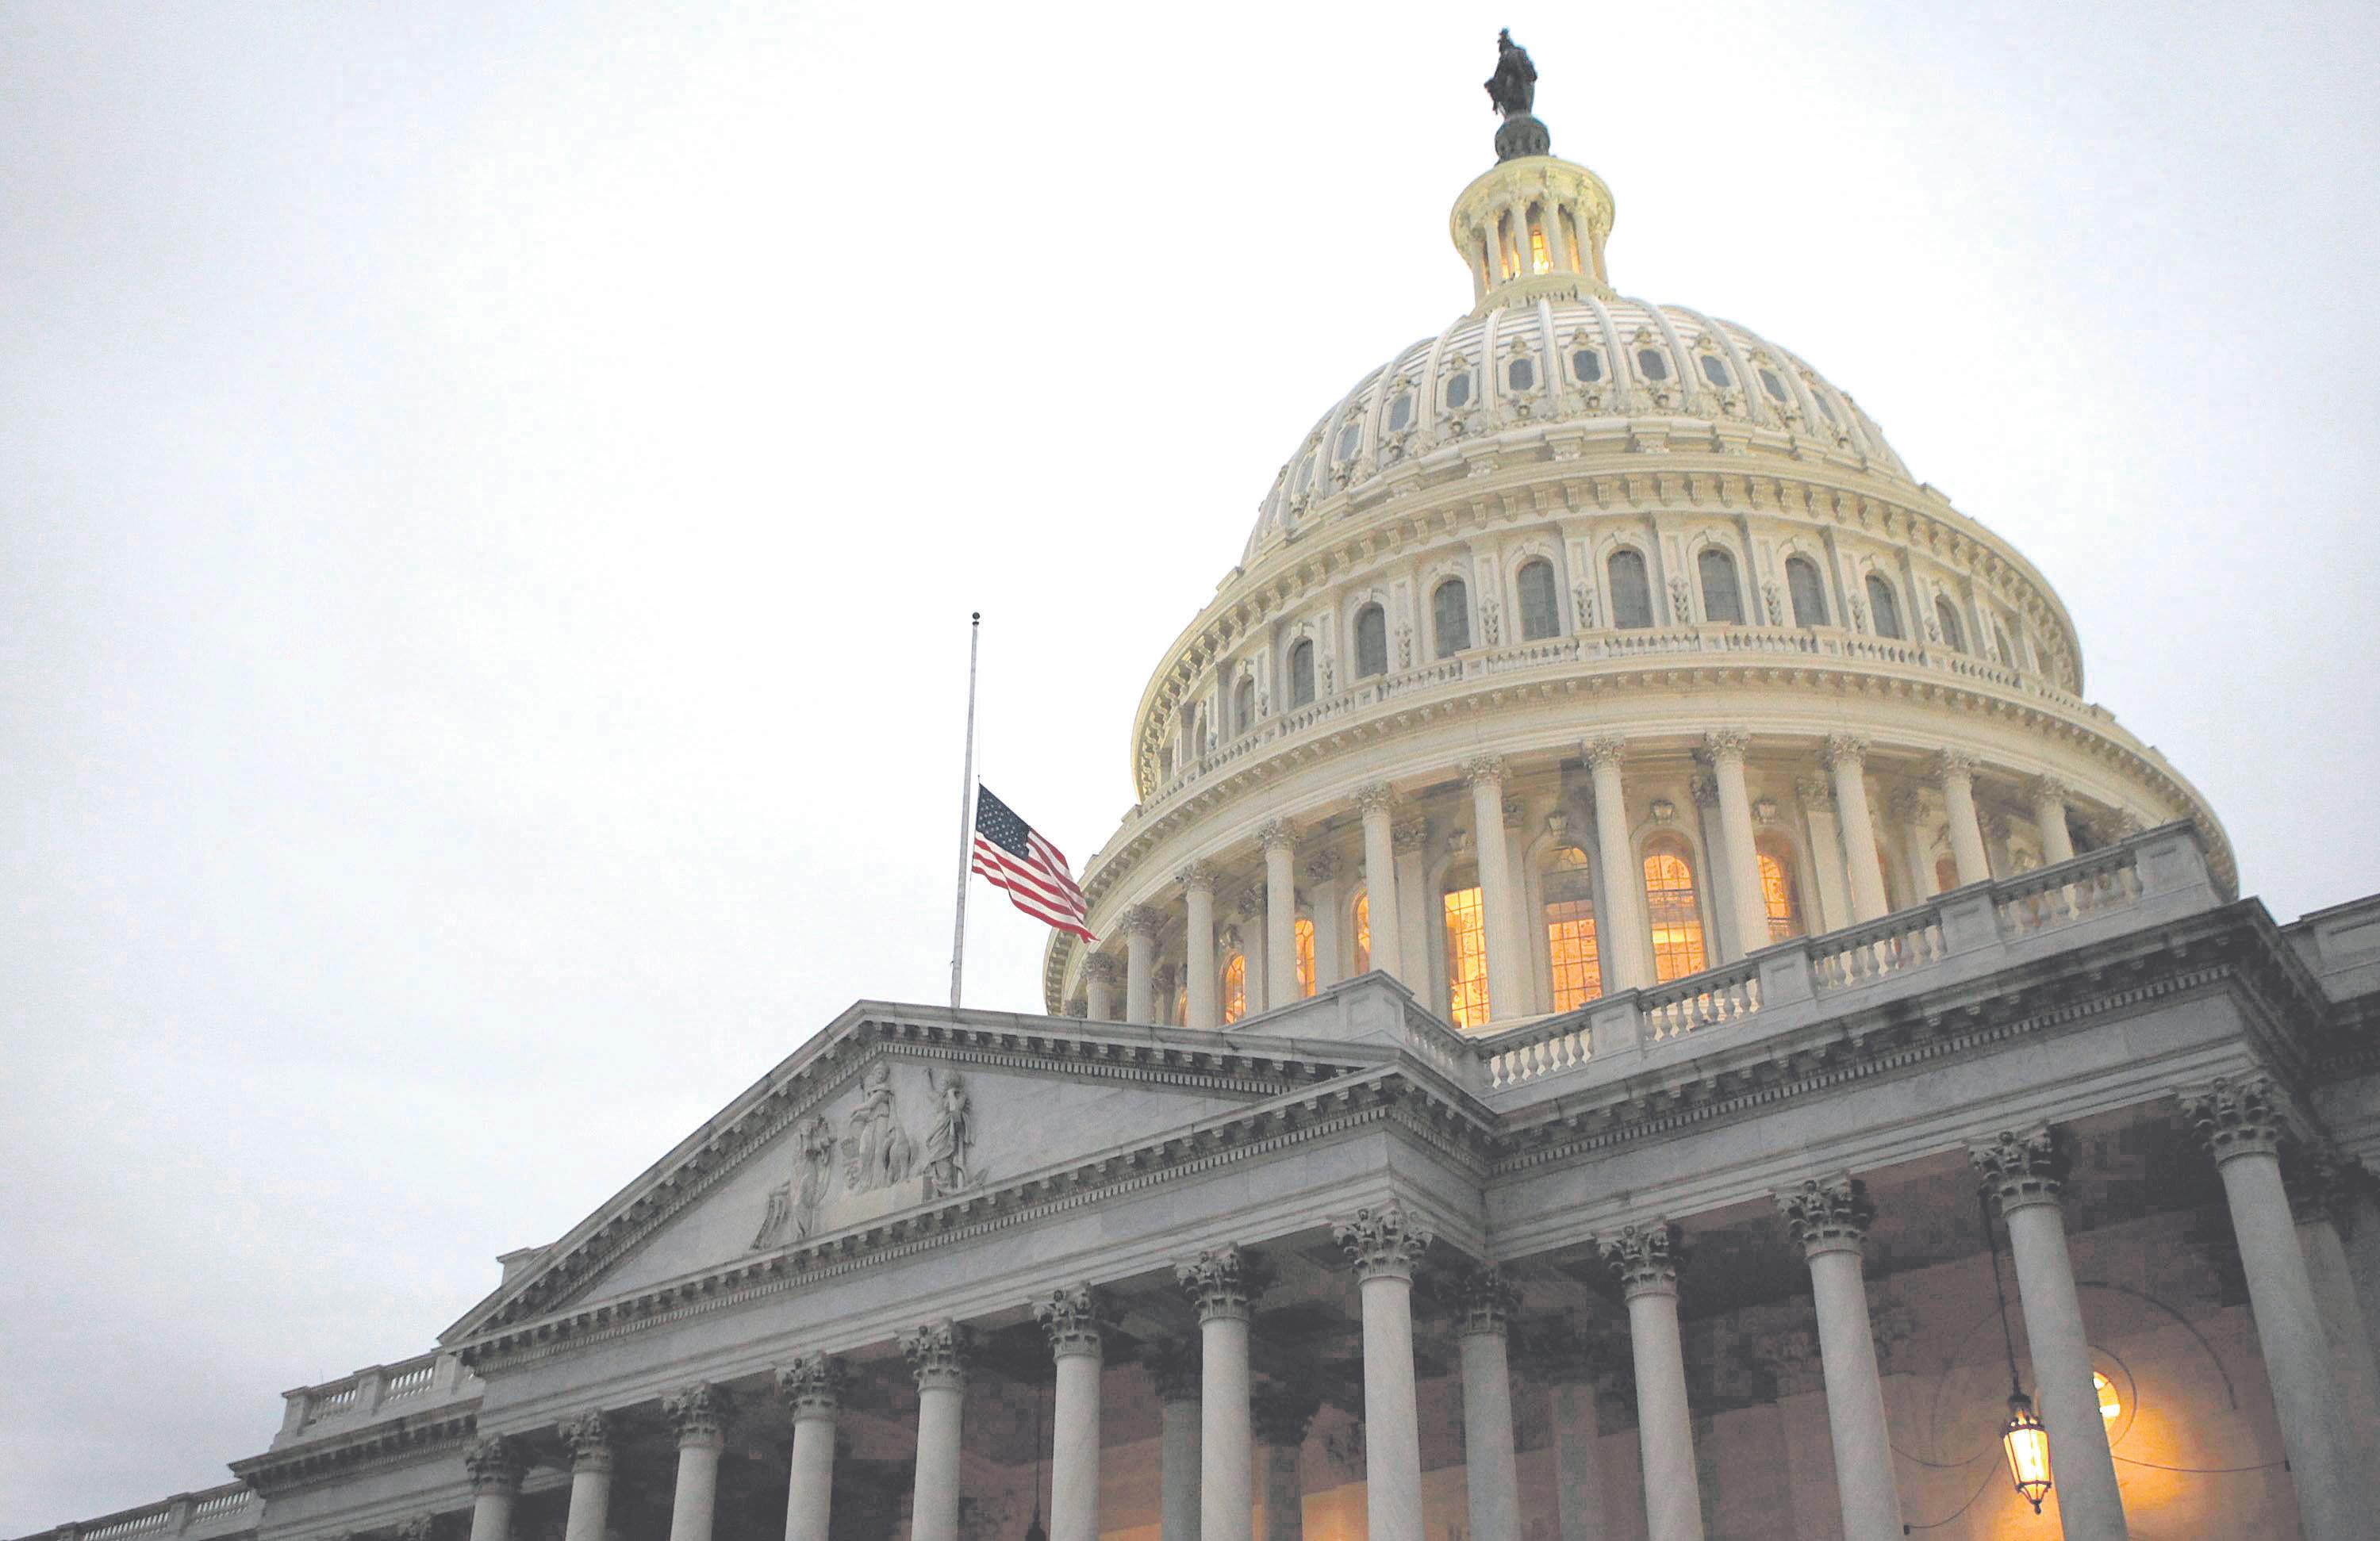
{"type": "Point", "coordinates": [1015, 857]}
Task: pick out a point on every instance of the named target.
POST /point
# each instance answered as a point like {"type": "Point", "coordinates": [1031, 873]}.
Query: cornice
{"type": "Point", "coordinates": [393, 1442]}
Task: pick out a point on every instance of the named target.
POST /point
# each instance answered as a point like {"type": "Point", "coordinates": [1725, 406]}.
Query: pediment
{"type": "Point", "coordinates": [890, 1110]}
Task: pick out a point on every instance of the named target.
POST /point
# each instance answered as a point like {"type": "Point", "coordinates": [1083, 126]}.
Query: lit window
{"type": "Point", "coordinates": [1458, 391]}
{"type": "Point", "coordinates": [1723, 598]}
{"type": "Point", "coordinates": [1669, 905]}
{"type": "Point", "coordinates": [1304, 956]}
{"type": "Point", "coordinates": [1884, 606]}
{"type": "Point", "coordinates": [1466, 957]}
{"type": "Point", "coordinates": [1631, 591]}
{"type": "Point", "coordinates": [1587, 364]}
{"type": "Point", "coordinates": [1570, 930]}
{"type": "Point", "coordinates": [1946, 874]}
{"type": "Point", "coordinates": [2111, 1406]}
{"type": "Point", "coordinates": [1363, 933]}
{"type": "Point", "coordinates": [1235, 988]}
{"type": "Point", "coordinates": [1301, 675]}
{"type": "Point", "coordinates": [1715, 370]}
{"type": "Point", "coordinates": [1182, 1007]}
{"type": "Point", "coordinates": [1540, 611]}
{"type": "Point", "coordinates": [1449, 612]}
{"type": "Point", "coordinates": [1775, 387]}
{"type": "Point", "coordinates": [1779, 896]}
{"type": "Point", "coordinates": [1349, 437]}
{"type": "Point", "coordinates": [1521, 374]}
{"type": "Point", "coordinates": [1539, 259]}
{"type": "Point", "coordinates": [1809, 591]}
{"type": "Point", "coordinates": [1400, 411]}
{"type": "Point", "coordinates": [1653, 366]}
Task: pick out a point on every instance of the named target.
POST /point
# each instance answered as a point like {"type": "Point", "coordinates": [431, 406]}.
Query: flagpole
{"type": "Point", "coordinates": [966, 814]}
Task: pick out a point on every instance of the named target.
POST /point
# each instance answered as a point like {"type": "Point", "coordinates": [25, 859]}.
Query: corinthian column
{"type": "Point", "coordinates": [2325, 1185]}
{"type": "Point", "coordinates": [812, 1385]}
{"type": "Point", "coordinates": [1831, 1219]}
{"type": "Point", "coordinates": [2049, 797]}
{"type": "Point", "coordinates": [1380, 881]}
{"type": "Point", "coordinates": [1492, 1469]}
{"type": "Point", "coordinates": [1508, 994]}
{"type": "Point", "coordinates": [1069, 1316]}
{"type": "Point", "coordinates": [1627, 949]}
{"type": "Point", "coordinates": [1280, 842]}
{"type": "Point", "coordinates": [1140, 1002]}
{"type": "Point", "coordinates": [1216, 1284]}
{"type": "Point", "coordinates": [1173, 1366]}
{"type": "Point", "coordinates": [1099, 986]}
{"type": "Point", "coordinates": [588, 1443]}
{"type": "Point", "coordinates": [1726, 748]}
{"type": "Point", "coordinates": [1845, 758]}
{"type": "Point", "coordinates": [1955, 774]}
{"type": "Point", "coordinates": [2027, 1173]}
{"type": "Point", "coordinates": [1198, 894]}
{"type": "Point", "coordinates": [936, 1355]}
{"type": "Point", "coordinates": [1283, 1415]}
{"type": "Point", "coordinates": [2242, 1123]}
{"type": "Point", "coordinates": [1640, 1256]}
{"type": "Point", "coordinates": [496, 1464]}
{"type": "Point", "coordinates": [699, 1413]}
{"type": "Point", "coordinates": [1384, 1243]}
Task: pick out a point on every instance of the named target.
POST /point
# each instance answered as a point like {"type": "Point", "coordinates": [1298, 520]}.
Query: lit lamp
{"type": "Point", "coordinates": [2023, 1438]}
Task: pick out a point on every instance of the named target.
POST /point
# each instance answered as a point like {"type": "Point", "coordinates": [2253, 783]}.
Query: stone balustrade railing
{"type": "Point", "coordinates": [230, 1510]}
{"type": "Point", "coordinates": [432, 1378]}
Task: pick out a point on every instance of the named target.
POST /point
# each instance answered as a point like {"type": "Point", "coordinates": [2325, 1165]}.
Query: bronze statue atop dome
{"type": "Point", "coordinates": [1513, 91]}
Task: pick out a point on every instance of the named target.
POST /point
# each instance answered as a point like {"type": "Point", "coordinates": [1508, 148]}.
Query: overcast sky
{"type": "Point", "coordinates": [490, 494]}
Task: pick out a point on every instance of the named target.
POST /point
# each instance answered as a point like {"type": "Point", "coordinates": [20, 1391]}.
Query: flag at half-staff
{"type": "Point", "coordinates": [1014, 856]}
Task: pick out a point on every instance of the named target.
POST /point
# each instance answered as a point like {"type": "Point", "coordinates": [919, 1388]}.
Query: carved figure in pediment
{"type": "Point", "coordinates": [876, 1152]}
{"type": "Point", "coordinates": [951, 1139]}
{"type": "Point", "coordinates": [817, 1171]}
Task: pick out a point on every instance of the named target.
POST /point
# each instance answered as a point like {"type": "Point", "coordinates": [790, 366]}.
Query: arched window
{"type": "Point", "coordinates": [1244, 706]}
{"type": "Point", "coordinates": [1671, 906]}
{"type": "Point", "coordinates": [1808, 589]}
{"type": "Point", "coordinates": [1450, 615]}
{"type": "Point", "coordinates": [1779, 894]}
{"type": "Point", "coordinates": [1363, 933]}
{"type": "Point", "coordinates": [1570, 930]}
{"type": "Point", "coordinates": [1540, 611]}
{"type": "Point", "coordinates": [1400, 411]}
{"type": "Point", "coordinates": [1235, 988]}
{"type": "Point", "coordinates": [1304, 956]}
{"type": "Point", "coordinates": [1715, 370]}
{"type": "Point", "coordinates": [1467, 952]}
{"type": "Point", "coordinates": [1349, 437]}
{"type": "Point", "coordinates": [1458, 391]}
{"type": "Point", "coordinates": [1521, 374]}
{"type": "Point", "coordinates": [1182, 1006]}
{"type": "Point", "coordinates": [1631, 591]}
{"type": "Point", "coordinates": [1587, 364]}
{"type": "Point", "coordinates": [1722, 600]}
{"type": "Point", "coordinates": [1371, 641]}
{"type": "Point", "coordinates": [1884, 606]}
{"type": "Point", "coordinates": [1651, 363]}
{"type": "Point", "coordinates": [1946, 615]}
{"type": "Point", "coordinates": [1301, 674]}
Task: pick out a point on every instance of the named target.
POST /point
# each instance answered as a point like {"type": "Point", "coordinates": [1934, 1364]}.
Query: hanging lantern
{"type": "Point", "coordinates": [2027, 1444]}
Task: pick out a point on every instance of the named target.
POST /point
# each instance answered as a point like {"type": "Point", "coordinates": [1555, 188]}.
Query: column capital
{"type": "Point", "coordinates": [417, 1527]}
{"type": "Point", "coordinates": [1813, 792]}
{"type": "Point", "coordinates": [1830, 1214]}
{"type": "Point", "coordinates": [1643, 1256]}
{"type": "Point", "coordinates": [812, 1385]}
{"type": "Point", "coordinates": [1198, 875]}
{"type": "Point", "coordinates": [2047, 789]}
{"type": "Point", "coordinates": [1173, 1364]}
{"type": "Point", "coordinates": [1409, 835]}
{"type": "Point", "coordinates": [1250, 904]}
{"type": "Point", "coordinates": [588, 1440]}
{"type": "Point", "coordinates": [2324, 1182]}
{"type": "Point", "coordinates": [2020, 1168]}
{"type": "Point", "coordinates": [1703, 788]}
{"type": "Point", "coordinates": [1603, 754]}
{"type": "Point", "coordinates": [1070, 1315]}
{"type": "Point", "coordinates": [1282, 1414]}
{"type": "Point", "coordinates": [1483, 768]}
{"type": "Point", "coordinates": [1486, 1303]}
{"type": "Point", "coordinates": [1514, 811]}
{"type": "Point", "coordinates": [1079, 1009]}
{"type": "Point", "coordinates": [496, 1465]}
{"type": "Point", "coordinates": [1726, 744]}
{"type": "Point", "coordinates": [1844, 749]}
{"type": "Point", "coordinates": [1147, 920]}
{"type": "Point", "coordinates": [937, 1352]}
{"type": "Point", "coordinates": [1216, 1282]}
{"type": "Point", "coordinates": [1906, 805]}
{"type": "Point", "coordinates": [1383, 1241]}
{"type": "Point", "coordinates": [1323, 868]}
{"type": "Point", "coordinates": [1378, 797]}
{"type": "Point", "coordinates": [2247, 1115]}
{"type": "Point", "coordinates": [699, 1412]}
{"type": "Point", "coordinates": [1099, 968]}
{"type": "Point", "coordinates": [1278, 833]}
{"type": "Point", "coordinates": [1949, 765]}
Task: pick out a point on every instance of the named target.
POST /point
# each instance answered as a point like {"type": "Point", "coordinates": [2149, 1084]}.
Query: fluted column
{"type": "Point", "coordinates": [1199, 896]}
{"type": "Point", "coordinates": [1846, 760]}
{"type": "Point", "coordinates": [1955, 774]}
{"type": "Point", "coordinates": [1642, 1257]}
{"type": "Point", "coordinates": [2027, 1174]}
{"type": "Point", "coordinates": [2324, 1185]}
{"type": "Point", "coordinates": [589, 1444]}
{"type": "Point", "coordinates": [698, 1415]}
{"type": "Point", "coordinates": [1384, 1243]}
{"type": "Point", "coordinates": [1575, 1407]}
{"type": "Point", "coordinates": [1507, 987]}
{"type": "Point", "coordinates": [1071, 1316]}
{"type": "Point", "coordinates": [812, 1387]}
{"type": "Point", "coordinates": [2242, 1123]}
{"type": "Point", "coordinates": [1831, 1219]}
{"type": "Point", "coordinates": [1099, 986]}
{"type": "Point", "coordinates": [1491, 1467]}
{"type": "Point", "coordinates": [1414, 902]}
{"type": "Point", "coordinates": [1216, 1284]}
{"type": "Point", "coordinates": [937, 1352]}
{"type": "Point", "coordinates": [1140, 1002]}
{"type": "Point", "coordinates": [1627, 949]}
{"type": "Point", "coordinates": [1173, 1365]}
{"type": "Point", "coordinates": [1816, 798]}
{"type": "Point", "coordinates": [1380, 881]}
{"type": "Point", "coordinates": [1280, 841]}
{"type": "Point", "coordinates": [496, 1464]}
{"type": "Point", "coordinates": [1726, 748]}
{"type": "Point", "coordinates": [1283, 1414]}
{"type": "Point", "coordinates": [2049, 797]}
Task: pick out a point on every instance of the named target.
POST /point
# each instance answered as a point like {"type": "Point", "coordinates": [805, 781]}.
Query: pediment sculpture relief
{"type": "Point", "coordinates": [883, 1166]}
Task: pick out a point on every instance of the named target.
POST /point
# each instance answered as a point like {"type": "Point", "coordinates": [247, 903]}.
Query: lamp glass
{"type": "Point", "coordinates": [2027, 1444]}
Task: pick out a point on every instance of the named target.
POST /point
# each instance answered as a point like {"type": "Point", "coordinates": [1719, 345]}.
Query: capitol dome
{"type": "Point", "coordinates": [1646, 599]}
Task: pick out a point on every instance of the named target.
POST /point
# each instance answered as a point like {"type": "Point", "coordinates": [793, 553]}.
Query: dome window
{"type": "Point", "coordinates": [1521, 374]}
{"type": "Point", "coordinates": [1884, 607]}
{"type": "Point", "coordinates": [1569, 884]}
{"type": "Point", "coordinates": [1632, 593]}
{"type": "Point", "coordinates": [1824, 410]}
{"type": "Point", "coordinates": [1946, 615]}
{"type": "Point", "coordinates": [1449, 614]}
{"type": "Point", "coordinates": [1587, 364]}
{"type": "Point", "coordinates": [1371, 641]}
{"type": "Point", "coordinates": [1301, 675]}
{"type": "Point", "coordinates": [1715, 370]}
{"type": "Point", "coordinates": [1458, 391]}
{"type": "Point", "coordinates": [1540, 611]}
{"type": "Point", "coordinates": [1808, 590]}
{"type": "Point", "coordinates": [1775, 387]}
{"type": "Point", "coordinates": [1401, 412]}
{"type": "Point", "coordinates": [1244, 707]}
{"type": "Point", "coordinates": [1722, 596]}
{"type": "Point", "coordinates": [1650, 363]}
{"type": "Point", "coordinates": [1349, 437]}
{"type": "Point", "coordinates": [1672, 907]}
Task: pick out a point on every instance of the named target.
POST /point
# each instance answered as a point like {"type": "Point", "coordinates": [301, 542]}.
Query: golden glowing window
{"type": "Point", "coordinates": [1304, 956]}
{"type": "Point", "coordinates": [1182, 1007]}
{"type": "Point", "coordinates": [1780, 895]}
{"type": "Point", "coordinates": [2111, 1406]}
{"type": "Point", "coordinates": [1235, 988]}
{"type": "Point", "coordinates": [1946, 875]}
{"type": "Point", "coordinates": [1466, 957]}
{"type": "Point", "coordinates": [1570, 930]}
{"type": "Point", "coordinates": [1540, 260]}
{"type": "Point", "coordinates": [1363, 933]}
{"type": "Point", "coordinates": [1669, 905]}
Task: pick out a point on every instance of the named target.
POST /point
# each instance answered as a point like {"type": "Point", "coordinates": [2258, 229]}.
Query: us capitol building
{"type": "Point", "coordinates": [1619, 864]}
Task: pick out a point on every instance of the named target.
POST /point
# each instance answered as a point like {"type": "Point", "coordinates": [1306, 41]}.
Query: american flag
{"type": "Point", "coordinates": [1010, 853]}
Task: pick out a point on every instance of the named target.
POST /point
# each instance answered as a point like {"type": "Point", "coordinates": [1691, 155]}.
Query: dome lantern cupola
{"type": "Point", "coordinates": [1533, 225]}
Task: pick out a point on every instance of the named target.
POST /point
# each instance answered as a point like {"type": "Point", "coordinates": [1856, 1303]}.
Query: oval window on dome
{"type": "Point", "coordinates": [1824, 410]}
{"type": "Point", "coordinates": [1401, 412]}
{"type": "Point", "coordinates": [1715, 370]}
{"type": "Point", "coordinates": [1349, 437]}
{"type": "Point", "coordinates": [1775, 387]}
{"type": "Point", "coordinates": [1587, 364]}
{"type": "Point", "coordinates": [1458, 391]}
{"type": "Point", "coordinates": [1651, 364]}
{"type": "Point", "coordinates": [1521, 374]}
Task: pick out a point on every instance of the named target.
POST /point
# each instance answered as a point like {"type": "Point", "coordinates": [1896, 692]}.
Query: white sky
{"type": "Point", "coordinates": [490, 498]}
